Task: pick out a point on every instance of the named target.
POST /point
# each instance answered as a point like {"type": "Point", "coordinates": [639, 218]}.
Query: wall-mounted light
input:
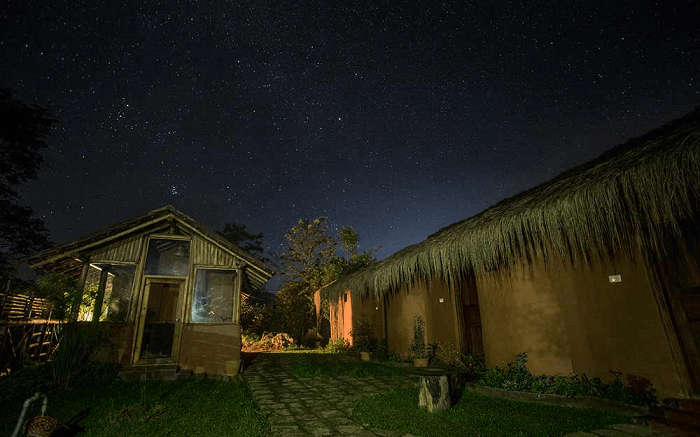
{"type": "Point", "coordinates": [376, 308]}
{"type": "Point", "coordinates": [442, 299]}
{"type": "Point", "coordinates": [614, 279]}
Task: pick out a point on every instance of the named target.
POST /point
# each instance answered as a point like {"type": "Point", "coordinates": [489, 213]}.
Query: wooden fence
{"type": "Point", "coordinates": [23, 307]}
{"type": "Point", "coordinates": [26, 330]}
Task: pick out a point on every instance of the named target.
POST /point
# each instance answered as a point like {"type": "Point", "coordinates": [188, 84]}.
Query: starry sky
{"type": "Point", "coordinates": [396, 120]}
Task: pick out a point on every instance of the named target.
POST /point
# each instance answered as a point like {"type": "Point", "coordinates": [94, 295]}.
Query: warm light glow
{"type": "Point", "coordinates": [614, 278]}
{"type": "Point", "coordinates": [442, 299]}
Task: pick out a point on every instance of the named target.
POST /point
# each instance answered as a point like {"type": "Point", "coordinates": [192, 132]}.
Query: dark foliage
{"type": "Point", "coordinates": [23, 129]}
{"type": "Point", "coordinates": [239, 235]}
{"type": "Point", "coordinates": [516, 376]}
{"type": "Point", "coordinates": [77, 345]}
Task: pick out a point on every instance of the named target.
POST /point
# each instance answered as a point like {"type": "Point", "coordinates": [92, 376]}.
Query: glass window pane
{"type": "Point", "coordinates": [213, 296]}
{"type": "Point", "coordinates": [118, 292]}
{"type": "Point", "coordinates": [92, 281]}
{"type": "Point", "coordinates": [168, 257]}
{"type": "Point", "coordinates": [117, 295]}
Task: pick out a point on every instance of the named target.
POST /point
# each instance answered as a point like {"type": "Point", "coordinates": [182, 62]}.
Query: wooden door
{"type": "Point", "coordinates": [471, 317]}
{"type": "Point", "coordinates": [159, 320]}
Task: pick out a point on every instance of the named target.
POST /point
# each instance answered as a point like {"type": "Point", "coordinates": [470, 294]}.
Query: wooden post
{"type": "Point", "coordinates": [75, 308]}
{"type": "Point", "coordinates": [434, 393]}
{"type": "Point", "coordinates": [97, 310]}
{"type": "Point", "coordinates": [237, 295]}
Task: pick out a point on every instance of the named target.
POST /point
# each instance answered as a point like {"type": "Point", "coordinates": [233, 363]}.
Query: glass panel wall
{"type": "Point", "coordinates": [213, 296]}
{"type": "Point", "coordinates": [168, 257]}
{"type": "Point", "coordinates": [117, 294]}
{"type": "Point", "coordinates": [92, 281]}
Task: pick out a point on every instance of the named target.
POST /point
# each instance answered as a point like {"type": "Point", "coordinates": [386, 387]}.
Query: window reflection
{"type": "Point", "coordinates": [213, 296]}
{"type": "Point", "coordinates": [168, 257]}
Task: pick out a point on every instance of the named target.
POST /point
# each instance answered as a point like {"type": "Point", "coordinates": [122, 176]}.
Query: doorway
{"type": "Point", "coordinates": [159, 319]}
{"type": "Point", "coordinates": [471, 318]}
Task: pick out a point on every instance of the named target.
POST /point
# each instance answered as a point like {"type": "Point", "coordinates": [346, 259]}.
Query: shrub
{"type": "Point", "coordinates": [516, 376]}
{"type": "Point", "coordinates": [418, 346]}
{"type": "Point", "coordinates": [449, 355]}
{"type": "Point", "coordinates": [380, 351]}
{"type": "Point", "coordinates": [362, 337]}
{"type": "Point", "coordinates": [77, 345]}
{"type": "Point", "coordinates": [338, 346]}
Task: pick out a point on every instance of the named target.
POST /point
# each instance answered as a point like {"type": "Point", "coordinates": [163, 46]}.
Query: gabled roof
{"type": "Point", "coordinates": [636, 195]}
{"type": "Point", "coordinates": [65, 254]}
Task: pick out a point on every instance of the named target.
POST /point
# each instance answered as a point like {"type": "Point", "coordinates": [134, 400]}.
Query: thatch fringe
{"type": "Point", "coordinates": [633, 197]}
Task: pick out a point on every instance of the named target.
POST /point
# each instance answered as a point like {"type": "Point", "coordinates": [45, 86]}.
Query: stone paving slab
{"type": "Point", "coordinates": [313, 406]}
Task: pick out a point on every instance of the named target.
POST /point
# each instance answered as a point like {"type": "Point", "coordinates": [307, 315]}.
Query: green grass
{"type": "Point", "coordinates": [332, 365]}
{"type": "Point", "coordinates": [174, 408]}
{"type": "Point", "coordinates": [477, 414]}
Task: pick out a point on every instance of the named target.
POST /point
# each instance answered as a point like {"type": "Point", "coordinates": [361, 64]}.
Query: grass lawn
{"type": "Point", "coordinates": [332, 365]}
{"type": "Point", "coordinates": [190, 407]}
{"type": "Point", "coordinates": [477, 414]}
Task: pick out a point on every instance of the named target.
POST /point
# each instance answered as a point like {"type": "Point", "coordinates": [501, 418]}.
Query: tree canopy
{"type": "Point", "coordinates": [238, 234]}
{"type": "Point", "coordinates": [307, 247]}
{"type": "Point", "coordinates": [309, 261]}
{"type": "Point", "coordinates": [23, 130]}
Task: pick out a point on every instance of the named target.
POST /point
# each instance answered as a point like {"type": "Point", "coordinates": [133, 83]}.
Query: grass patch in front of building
{"type": "Point", "coordinates": [334, 365]}
{"type": "Point", "coordinates": [476, 414]}
{"type": "Point", "coordinates": [175, 408]}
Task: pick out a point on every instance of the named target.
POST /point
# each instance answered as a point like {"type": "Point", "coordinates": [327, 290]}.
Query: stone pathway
{"type": "Point", "coordinates": [312, 406]}
{"type": "Point", "coordinates": [323, 406]}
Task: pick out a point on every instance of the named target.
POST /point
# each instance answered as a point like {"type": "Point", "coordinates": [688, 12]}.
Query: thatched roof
{"type": "Point", "coordinates": [63, 258]}
{"type": "Point", "coordinates": [631, 196]}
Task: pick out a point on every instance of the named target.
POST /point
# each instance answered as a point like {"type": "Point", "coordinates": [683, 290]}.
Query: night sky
{"type": "Point", "coordinates": [397, 121]}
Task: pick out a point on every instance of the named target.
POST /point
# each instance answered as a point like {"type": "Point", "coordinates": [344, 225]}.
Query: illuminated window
{"type": "Point", "coordinates": [213, 296]}
{"type": "Point", "coordinates": [117, 293]}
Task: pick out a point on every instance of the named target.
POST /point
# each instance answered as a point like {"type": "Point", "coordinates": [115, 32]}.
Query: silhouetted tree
{"type": "Point", "coordinates": [306, 249]}
{"type": "Point", "coordinates": [23, 129]}
{"type": "Point", "coordinates": [238, 234]}
{"type": "Point", "coordinates": [349, 239]}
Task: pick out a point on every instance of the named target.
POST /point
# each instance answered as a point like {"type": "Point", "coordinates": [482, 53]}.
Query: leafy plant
{"type": "Point", "coordinates": [418, 349]}
{"type": "Point", "coordinates": [362, 336]}
{"type": "Point", "coordinates": [338, 346]}
{"type": "Point", "coordinates": [516, 376]}
{"type": "Point", "coordinates": [77, 343]}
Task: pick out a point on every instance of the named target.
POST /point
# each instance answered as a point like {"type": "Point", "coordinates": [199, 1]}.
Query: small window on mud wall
{"type": "Point", "coordinates": [168, 257]}
{"type": "Point", "coordinates": [117, 294]}
{"type": "Point", "coordinates": [213, 296]}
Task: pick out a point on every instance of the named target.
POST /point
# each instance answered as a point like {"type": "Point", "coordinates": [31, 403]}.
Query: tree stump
{"type": "Point", "coordinates": [434, 393]}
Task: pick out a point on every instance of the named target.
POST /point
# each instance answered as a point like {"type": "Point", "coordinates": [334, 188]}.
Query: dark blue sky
{"type": "Point", "coordinates": [396, 121]}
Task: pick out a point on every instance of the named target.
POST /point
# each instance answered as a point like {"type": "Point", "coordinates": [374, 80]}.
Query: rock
{"type": "Point", "coordinates": [434, 393]}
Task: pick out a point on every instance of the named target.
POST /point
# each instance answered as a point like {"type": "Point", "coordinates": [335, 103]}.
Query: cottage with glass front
{"type": "Point", "coordinates": [166, 288]}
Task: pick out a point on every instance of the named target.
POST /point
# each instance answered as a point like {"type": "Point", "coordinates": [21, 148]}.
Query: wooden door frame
{"type": "Point", "coordinates": [141, 313]}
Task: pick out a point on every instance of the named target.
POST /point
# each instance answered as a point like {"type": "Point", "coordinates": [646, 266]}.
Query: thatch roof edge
{"type": "Point", "coordinates": [632, 194]}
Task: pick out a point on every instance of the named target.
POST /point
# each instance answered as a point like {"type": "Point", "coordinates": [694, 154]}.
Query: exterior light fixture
{"type": "Point", "coordinates": [614, 279]}
{"type": "Point", "coordinates": [442, 299]}
{"type": "Point", "coordinates": [376, 308]}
